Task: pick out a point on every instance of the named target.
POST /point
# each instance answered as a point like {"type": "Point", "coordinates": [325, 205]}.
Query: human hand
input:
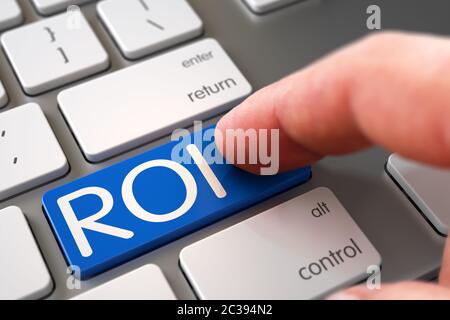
{"type": "Point", "coordinates": [390, 89]}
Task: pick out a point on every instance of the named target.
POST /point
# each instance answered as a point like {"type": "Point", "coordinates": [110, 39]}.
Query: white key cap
{"type": "Point", "coordinates": [263, 6]}
{"type": "Point", "coordinates": [135, 105]}
{"type": "Point", "coordinates": [24, 274]}
{"type": "Point", "coordinates": [30, 153]}
{"type": "Point", "coordinates": [146, 283]}
{"type": "Point", "coordinates": [302, 249]}
{"type": "Point", "coordinates": [47, 7]}
{"type": "Point", "coordinates": [426, 186]}
{"type": "Point", "coordinates": [51, 53]}
{"type": "Point", "coordinates": [3, 96]}
{"type": "Point", "coordinates": [10, 14]}
{"type": "Point", "coordinates": [156, 24]}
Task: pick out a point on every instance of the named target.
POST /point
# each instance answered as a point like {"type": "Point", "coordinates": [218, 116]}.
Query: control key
{"type": "Point", "coordinates": [305, 248]}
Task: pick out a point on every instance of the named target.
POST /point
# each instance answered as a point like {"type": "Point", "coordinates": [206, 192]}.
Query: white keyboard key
{"type": "Point", "coordinates": [426, 186]}
{"type": "Point", "coordinates": [47, 7]}
{"type": "Point", "coordinates": [3, 96]}
{"type": "Point", "coordinates": [10, 14]}
{"type": "Point", "coordinates": [263, 6]}
{"type": "Point", "coordinates": [24, 274]}
{"type": "Point", "coordinates": [155, 24]}
{"type": "Point", "coordinates": [133, 106]}
{"type": "Point", "coordinates": [51, 53]}
{"type": "Point", "coordinates": [305, 248]}
{"type": "Point", "coordinates": [146, 283]}
{"type": "Point", "coordinates": [30, 153]}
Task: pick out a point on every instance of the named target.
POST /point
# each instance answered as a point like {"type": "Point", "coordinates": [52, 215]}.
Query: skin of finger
{"type": "Point", "coordinates": [386, 89]}
{"type": "Point", "coordinates": [247, 116]}
{"type": "Point", "coordinates": [444, 274]}
{"type": "Point", "coordinates": [413, 290]}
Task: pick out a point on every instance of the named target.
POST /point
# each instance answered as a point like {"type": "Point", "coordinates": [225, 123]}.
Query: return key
{"type": "Point", "coordinates": [136, 105]}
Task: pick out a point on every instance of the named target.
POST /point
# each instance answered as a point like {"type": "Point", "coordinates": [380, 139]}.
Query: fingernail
{"type": "Point", "coordinates": [342, 296]}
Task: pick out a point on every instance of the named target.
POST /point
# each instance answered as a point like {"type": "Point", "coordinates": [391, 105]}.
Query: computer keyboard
{"type": "Point", "coordinates": [263, 6]}
{"type": "Point", "coordinates": [24, 272]}
{"type": "Point", "coordinates": [3, 96]}
{"type": "Point", "coordinates": [47, 54]}
{"type": "Point", "coordinates": [10, 14]}
{"type": "Point", "coordinates": [155, 25]}
{"type": "Point", "coordinates": [47, 7]}
{"type": "Point", "coordinates": [130, 287]}
{"type": "Point", "coordinates": [31, 154]}
{"type": "Point", "coordinates": [88, 97]}
{"type": "Point", "coordinates": [420, 182]}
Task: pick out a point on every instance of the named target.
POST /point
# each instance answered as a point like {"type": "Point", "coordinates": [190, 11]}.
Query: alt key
{"type": "Point", "coordinates": [305, 248]}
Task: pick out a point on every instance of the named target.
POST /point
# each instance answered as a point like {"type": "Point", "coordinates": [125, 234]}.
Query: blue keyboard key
{"type": "Point", "coordinates": [116, 214]}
